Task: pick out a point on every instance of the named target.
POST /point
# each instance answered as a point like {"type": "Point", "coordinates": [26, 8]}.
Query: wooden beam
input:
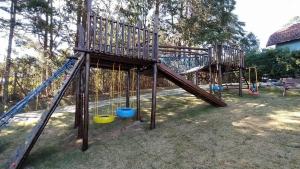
{"type": "Point", "coordinates": [86, 105]}
{"type": "Point", "coordinates": [80, 108]}
{"type": "Point", "coordinates": [77, 95]}
{"type": "Point", "coordinates": [138, 94]}
{"type": "Point", "coordinates": [153, 105]}
{"type": "Point", "coordinates": [219, 68]}
{"type": "Point", "coordinates": [209, 68]}
{"type": "Point", "coordinates": [182, 47]}
{"type": "Point", "coordinates": [240, 77]}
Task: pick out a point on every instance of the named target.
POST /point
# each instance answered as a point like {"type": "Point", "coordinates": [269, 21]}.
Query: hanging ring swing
{"type": "Point", "coordinates": [126, 112]}
{"type": "Point", "coordinates": [253, 90]}
{"type": "Point", "coordinates": [102, 118]}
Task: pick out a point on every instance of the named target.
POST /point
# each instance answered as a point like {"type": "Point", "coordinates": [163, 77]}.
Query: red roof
{"type": "Point", "coordinates": [285, 35]}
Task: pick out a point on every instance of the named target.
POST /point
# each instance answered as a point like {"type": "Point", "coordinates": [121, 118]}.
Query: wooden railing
{"type": "Point", "coordinates": [111, 37]}
{"type": "Point", "coordinates": [230, 56]}
{"type": "Point", "coordinates": [120, 39]}
{"type": "Point", "coordinates": [181, 59]}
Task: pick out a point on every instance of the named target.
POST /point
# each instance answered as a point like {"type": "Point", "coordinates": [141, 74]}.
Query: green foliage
{"type": "Point", "coordinates": [276, 63]}
{"type": "Point", "coordinates": [249, 43]}
{"type": "Point", "coordinates": [212, 22]}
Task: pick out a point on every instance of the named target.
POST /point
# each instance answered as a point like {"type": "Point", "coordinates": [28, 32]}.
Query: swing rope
{"type": "Point", "coordinates": [119, 86]}
{"type": "Point", "coordinates": [107, 117]}
{"type": "Point", "coordinates": [112, 89]}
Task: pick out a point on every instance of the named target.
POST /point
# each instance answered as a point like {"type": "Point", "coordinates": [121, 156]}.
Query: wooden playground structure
{"type": "Point", "coordinates": [104, 43]}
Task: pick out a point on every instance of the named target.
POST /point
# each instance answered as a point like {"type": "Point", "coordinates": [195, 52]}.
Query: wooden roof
{"type": "Point", "coordinates": [285, 35]}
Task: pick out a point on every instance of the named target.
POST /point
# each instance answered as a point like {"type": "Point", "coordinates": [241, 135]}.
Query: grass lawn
{"type": "Point", "coordinates": [251, 132]}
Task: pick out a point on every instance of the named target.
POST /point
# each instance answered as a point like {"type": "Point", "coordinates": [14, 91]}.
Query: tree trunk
{"type": "Point", "coordinates": [9, 49]}
{"type": "Point", "coordinates": [15, 84]}
{"type": "Point", "coordinates": [78, 22]}
{"type": "Point", "coordinates": [46, 49]}
{"type": "Point", "coordinates": [51, 30]}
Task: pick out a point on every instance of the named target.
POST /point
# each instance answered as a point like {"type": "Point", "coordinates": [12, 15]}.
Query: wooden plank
{"type": "Point", "coordinates": [128, 41]}
{"type": "Point", "coordinates": [100, 34]}
{"type": "Point", "coordinates": [189, 86]}
{"type": "Point", "coordinates": [133, 41]}
{"type": "Point", "coordinates": [144, 42]}
{"type": "Point", "coordinates": [138, 41]}
{"type": "Point", "coordinates": [105, 36]}
{"type": "Point", "coordinates": [111, 36]}
{"type": "Point", "coordinates": [23, 151]}
{"type": "Point", "coordinates": [117, 36]}
{"type": "Point", "coordinates": [94, 32]}
{"type": "Point", "coordinates": [148, 45]}
{"type": "Point", "coordinates": [123, 39]}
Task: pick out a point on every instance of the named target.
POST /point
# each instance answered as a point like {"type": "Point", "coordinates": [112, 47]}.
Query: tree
{"type": "Point", "coordinates": [277, 63]}
{"type": "Point", "coordinates": [249, 43]}
{"type": "Point", "coordinates": [13, 11]}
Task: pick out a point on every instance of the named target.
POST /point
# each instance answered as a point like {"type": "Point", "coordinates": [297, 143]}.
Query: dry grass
{"type": "Point", "coordinates": [261, 132]}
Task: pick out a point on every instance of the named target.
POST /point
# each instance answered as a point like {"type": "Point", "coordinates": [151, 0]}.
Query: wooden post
{"type": "Point", "coordinates": [77, 95]}
{"type": "Point", "coordinates": [153, 106]}
{"type": "Point", "coordinates": [88, 23]}
{"type": "Point", "coordinates": [209, 67]}
{"type": "Point", "coordinates": [138, 94]}
{"type": "Point", "coordinates": [241, 75]}
{"type": "Point", "coordinates": [80, 107]}
{"type": "Point", "coordinates": [86, 105]}
{"type": "Point", "coordinates": [128, 81]}
{"type": "Point", "coordinates": [155, 58]}
{"type": "Point", "coordinates": [219, 68]}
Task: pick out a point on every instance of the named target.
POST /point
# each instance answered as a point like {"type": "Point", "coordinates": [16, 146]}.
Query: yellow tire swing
{"type": "Point", "coordinates": [99, 118]}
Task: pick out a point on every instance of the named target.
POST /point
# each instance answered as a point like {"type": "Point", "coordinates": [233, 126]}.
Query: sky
{"type": "Point", "coordinates": [262, 17]}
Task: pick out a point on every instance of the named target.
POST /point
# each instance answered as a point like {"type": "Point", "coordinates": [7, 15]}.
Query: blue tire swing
{"type": "Point", "coordinates": [217, 88]}
{"type": "Point", "coordinates": [126, 112]}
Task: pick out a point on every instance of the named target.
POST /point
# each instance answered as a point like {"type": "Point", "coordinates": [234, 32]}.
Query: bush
{"type": "Point", "coordinates": [277, 63]}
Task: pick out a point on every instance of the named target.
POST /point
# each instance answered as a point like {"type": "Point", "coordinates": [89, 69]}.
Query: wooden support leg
{"type": "Point", "coordinates": [210, 50]}
{"type": "Point", "coordinates": [154, 86]}
{"type": "Point", "coordinates": [240, 82]}
{"type": "Point", "coordinates": [220, 83]}
{"type": "Point", "coordinates": [80, 107]}
{"type": "Point", "coordinates": [128, 89]}
{"type": "Point", "coordinates": [86, 105]}
{"type": "Point", "coordinates": [138, 92]}
{"type": "Point", "coordinates": [77, 95]}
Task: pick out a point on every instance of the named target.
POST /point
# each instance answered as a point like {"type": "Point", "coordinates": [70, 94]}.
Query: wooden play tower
{"type": "Point", "coordinates": [104, 43]}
